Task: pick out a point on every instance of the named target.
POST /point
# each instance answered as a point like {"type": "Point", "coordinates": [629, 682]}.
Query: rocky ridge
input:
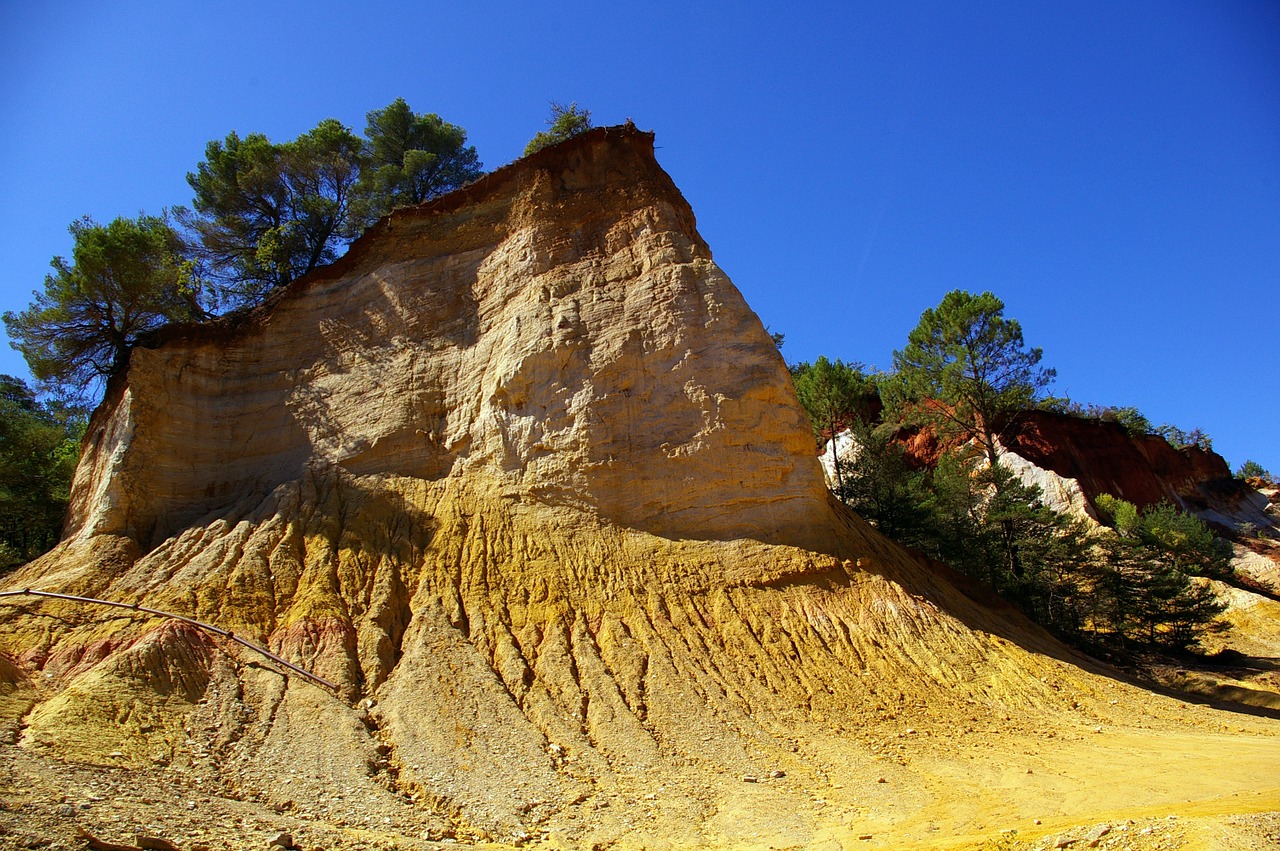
{"type": "Point", "coordinates": [525, 477]}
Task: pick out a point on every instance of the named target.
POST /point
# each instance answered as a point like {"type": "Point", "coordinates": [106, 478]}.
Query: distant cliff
{"type": "Point", "coordinates": [1104, 458]}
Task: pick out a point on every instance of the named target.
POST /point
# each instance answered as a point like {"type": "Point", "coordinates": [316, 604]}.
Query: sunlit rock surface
{"type": "Point", "coordinates": [526, 479]}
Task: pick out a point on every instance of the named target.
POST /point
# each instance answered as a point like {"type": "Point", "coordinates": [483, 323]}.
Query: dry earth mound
{"type": "Point", "coordinates": [524, 476]}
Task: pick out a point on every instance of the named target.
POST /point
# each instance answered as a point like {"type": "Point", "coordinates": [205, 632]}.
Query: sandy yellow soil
{"type": "Point", "coordinates": [1168, 775]}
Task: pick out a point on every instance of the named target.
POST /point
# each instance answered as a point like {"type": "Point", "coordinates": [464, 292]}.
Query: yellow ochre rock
{"type": "Point", "coordinates": [526, 478]}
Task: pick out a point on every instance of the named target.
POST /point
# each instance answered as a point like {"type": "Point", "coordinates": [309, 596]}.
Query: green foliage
{"type": "Point", "coordinates": [266, 214]}
{"type": "Point", "coordinates": [881, 485]}
{"type": "Point", "coordinates": [411, 159]}
{"type": "Point", "coordinates": [565, 122]}
{"type": "Point", "coordinates": [954, 530]}
{"type": "Point", "coordinates": [834, 394]}
{"type": "Point", "coordinates": [1253, 470]}
{"type": "Point", "coordinates": [1179, 439]}
{"type": "Point", "coordinates": [1131, 419]}
{"type": "Point", "coordinates": [263, 215]}
{"type": "Point", "coordinates": [124, 279]}
{"type": "Point", "coordinates": [965, 370]}
{"type": "Point", "coordinates": [983, 521]}
{"type": "Point", "coordinates": [1150, 593]}
{"type": "Point", "coordinates": [1135, 586]}
{"type": "Point", "coordinates": [1142, 598]}
{"type": "Point", "coordinates": [39, 448]}
{"type": "Point", "coordinates": [1061, 405]}
{"type": "Point", "coordinates": [1118, 513]}
{"type": "Point", "coordinates": [1184, 542]}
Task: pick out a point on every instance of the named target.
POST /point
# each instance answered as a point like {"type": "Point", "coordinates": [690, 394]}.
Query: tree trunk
{"type": "Point", "coordinates": [835, 460]}
{"type": "Point", "coordinates": [1012, 562]}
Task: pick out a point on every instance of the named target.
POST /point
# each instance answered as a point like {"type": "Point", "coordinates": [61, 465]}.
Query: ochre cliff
{"type": "Point", "coordinates": [559, 330]}
{"type": "Point", "coordinates": [1104, 458]}
{"type": "Point", "coordinates": [524, 477]}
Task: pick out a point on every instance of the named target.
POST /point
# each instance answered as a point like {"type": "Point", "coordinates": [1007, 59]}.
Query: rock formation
{"type": "Point", "coordinates": [525, 477]}
{"type": "Point", "coordinates": [1103, 458]}
{"type": "Point", "coordinates": [1075, 459]}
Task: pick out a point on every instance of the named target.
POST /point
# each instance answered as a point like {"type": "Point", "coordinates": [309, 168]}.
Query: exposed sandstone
{"type": "Point", "coordinates": [556, 329]}
{"type": "Point", "coordinates": [525, 476]}
{"type": "Point", "coordinates": [1103, 458]}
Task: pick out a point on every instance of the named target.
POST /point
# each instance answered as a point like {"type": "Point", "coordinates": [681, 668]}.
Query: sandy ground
{"type": "Point", "coordinates": [1186, 777]}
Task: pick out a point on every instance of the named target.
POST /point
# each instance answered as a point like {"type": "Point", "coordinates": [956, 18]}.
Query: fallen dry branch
{"type": "Point", "coordinates": [216, 630]}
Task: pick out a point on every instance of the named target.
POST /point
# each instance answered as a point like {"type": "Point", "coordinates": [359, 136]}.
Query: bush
{"type": "Point", "coordinates": [1062, 405]}
{"type": "Point", "coordinates": [881, 485]}
{"type": "Point", "coordinates": [1147, 591]}
{"type": "Point", "coordinates": [1179, 439]}
{"type": "Point", "coordinates": [1117, 513]}
{"type": "Point", "coordinates": [1131, 419]}
{"type": "Point", "coordinates": [39, 448]}
{"type": "Point", "coordinates": [1254, 470]}
{"type": "Point", "coordinates": [1128, 417]}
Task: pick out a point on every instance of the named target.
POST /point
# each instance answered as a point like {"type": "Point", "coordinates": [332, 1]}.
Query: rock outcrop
{"type": "Point", "coordinates": [1103, 458]}
{"type": "Point", "coordinates": [524, 477]}
{"type": "Point", "coordinates": [560, 330]}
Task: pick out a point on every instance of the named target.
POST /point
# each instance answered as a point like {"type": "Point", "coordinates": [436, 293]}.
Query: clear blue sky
{"type": "Point", "coordinates": [1111, 170]}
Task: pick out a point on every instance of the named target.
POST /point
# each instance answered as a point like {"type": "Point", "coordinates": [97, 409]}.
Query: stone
{"type": "Point", "coordinates": [1094, 837]}
{"type": "Point", "coordinates": [437, 345]}
{"type": "Point", "coordinates": [154, 843]}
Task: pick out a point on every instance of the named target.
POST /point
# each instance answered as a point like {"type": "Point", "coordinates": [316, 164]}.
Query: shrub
{"type": "Point", "coordinates": [1179, 439]}
{"type": "Point", "coordinates": [1117, 513]}
{"type": "Point", "coordinates": [1253, 470]}
{"type": "Point", "coordinates": [1131, 419]}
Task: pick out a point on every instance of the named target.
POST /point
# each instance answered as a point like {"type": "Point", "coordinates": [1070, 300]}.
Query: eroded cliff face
{"type": "Point", "coordinates": [525, 478]}
{"type": "Point", "coordinates": [559, 331]}
{"type": "Point", "coordinates": [1103, 458]}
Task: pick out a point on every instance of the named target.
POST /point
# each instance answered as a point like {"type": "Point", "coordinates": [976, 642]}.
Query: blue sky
{"type": "Point", "coordinates": [1110, 170]}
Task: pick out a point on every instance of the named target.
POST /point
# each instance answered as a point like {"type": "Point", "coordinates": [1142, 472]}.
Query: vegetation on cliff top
{"type": "Point", "coordinates": [565, 122]}
{"type": "Point", "coordinates": [263, 214]}
{"type": "Point", "coordinates": [124, 279]}
{"type": "Point", "coordinates": [1252, 470]}
{"type": "Point", "coordinates": [964, 376]}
